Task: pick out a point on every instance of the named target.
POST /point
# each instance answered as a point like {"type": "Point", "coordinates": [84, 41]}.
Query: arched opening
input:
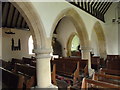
{"type": "Point", "coordinates": [100, 41]}
{"type": "Point", "coordinates": [75, 18]}
{"type": "Point", "coordinates": [35, 25]}
{"type": "Point", "coordinates": [72, 16]}
{"type": "Point", "coordinates": [19, 23]}
{"type": "Point", "coordinates": [73, 45]}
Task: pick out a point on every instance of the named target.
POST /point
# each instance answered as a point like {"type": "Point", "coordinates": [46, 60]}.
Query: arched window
{"type": "Point", "coordinates": [30, 45]}
{"type": "Point", "coordinates": [75, 43]}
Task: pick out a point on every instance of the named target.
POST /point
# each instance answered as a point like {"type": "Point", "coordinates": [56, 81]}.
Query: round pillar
{"type": "Point", "coordinates": [86, 55]}
{"type": "Point", "coordinates": [43, 69]}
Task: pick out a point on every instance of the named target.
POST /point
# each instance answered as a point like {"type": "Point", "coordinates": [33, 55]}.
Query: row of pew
{"type": "Point", "coordinates": [25, 74]}
{"type": "Point", "coordinates": [71, 68]}
{"type": "Point", "coordinates": [104, 79]}
{"type": "Point", "coordinates": [111, 62]}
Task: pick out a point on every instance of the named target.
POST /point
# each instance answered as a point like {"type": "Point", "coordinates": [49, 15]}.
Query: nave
{"type": "Point", "coordinates": [60, 45]}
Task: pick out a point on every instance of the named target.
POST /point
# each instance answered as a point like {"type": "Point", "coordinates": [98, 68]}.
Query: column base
{"type": "Point", "coordinates": [91, 71]}
{"type": "Point", "coordinates": [51, 87]}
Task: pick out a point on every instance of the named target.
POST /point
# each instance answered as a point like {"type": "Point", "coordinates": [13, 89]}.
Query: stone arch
{"type": "Point", "coordinates": [69, 43]}
{"type": "Point", "coordinates": [73, 15]}
{"type": "Point", "coordinates": [101, 39]}
{"type": "Point", "coordinates": [27, 10]}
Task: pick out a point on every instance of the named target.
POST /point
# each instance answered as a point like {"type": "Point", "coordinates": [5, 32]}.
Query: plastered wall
{"type": "Point", "coordinates": [7, 53]}
{"type": "Point", "coordinates": [111, 30]}
{"type": "Point", "coordinates": [64, 30]}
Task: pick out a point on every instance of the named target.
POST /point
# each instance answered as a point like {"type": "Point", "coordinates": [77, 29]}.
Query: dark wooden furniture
{"type": "Point", "coordinates": [68, 69]}
{"type": "Point", "coordinates": [110, 72]}
{"type": "Point", "coordinates": [94, 84]}
{"type": "Point", "coordinates": [83, 64]}
{"type": "Point", "coordinates": [29, 72]}
{"type": "Point", "coordinates": [11, 80]}
{"type": "Point", "coordinates": [107, 78]}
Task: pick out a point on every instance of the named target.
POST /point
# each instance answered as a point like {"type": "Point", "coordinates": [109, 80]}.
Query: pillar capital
{"type": "Point", "coordinates": [42, 52]}
{"type": "Point", "coordinates": [86, 49]}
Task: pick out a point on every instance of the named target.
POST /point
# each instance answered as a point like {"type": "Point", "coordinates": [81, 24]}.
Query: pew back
{"type": "Point", "coordinates": [88, 83]}
{"type": "Point", "coordinates": [11, 80]}
{"type": "Point", "coordinates": [109, 71]}
{"type": "Point", "coordinates": [107, 78]}
{"type": "Point", "coordinates": [25, 69]}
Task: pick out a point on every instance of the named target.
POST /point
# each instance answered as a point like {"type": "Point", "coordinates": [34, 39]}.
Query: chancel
{"type": "Point", "coordinates": [66, 44]}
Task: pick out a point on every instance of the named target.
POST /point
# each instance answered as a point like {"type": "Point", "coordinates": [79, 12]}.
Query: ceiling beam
{"type": "Point", "coordinates": [8, 10]}
{"type": "Point", "coordinates": [107, 3]}
{"type": "Point", "coordinates": [17, 19]}
{"type": "Point", "coordinates": [4, 14]}
{"type": "Point", "coordinates": [10, 16]}
{"type": "Point", "coordinates": [107, 8]}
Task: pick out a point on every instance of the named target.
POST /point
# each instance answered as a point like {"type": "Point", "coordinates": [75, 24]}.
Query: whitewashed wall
{"type": "Point", "coordinates": [64, 30]}
{"type": "Point", "coordinates": [111, 30]}
{"type": "Point", "coordinates": [7, 53]}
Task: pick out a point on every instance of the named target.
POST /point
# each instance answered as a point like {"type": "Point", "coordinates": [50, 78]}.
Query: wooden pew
{"type": "Point", "coordinates": [113, 57]}
{"type": "Point", "coordinates": [113, 64]}
{"type": "Point", "coordinates": [67, 69]}
{"type": "Point", "coordinates": [28, 60]}
{"type": "Point", "coordinates": [33, 63]}
{"type": "Point", "coordinates": [6, 65]}
{"type": "Point", "coordinates": [83, 64]}
{"type": "Point", "coordinates": [11, 80]}
{"type": "Point", "coordinates": [107, 78]}
{"type": "Point", "coordinates": [88, 83]}
{"type": "Point", "coordinates": [15, 60]}
{"type": "Point", "coordinates": [111, 72]}
{"type": "Point", "coordinates": [95, 63]}
{"type": "Point", "coordinates": [29, 72]}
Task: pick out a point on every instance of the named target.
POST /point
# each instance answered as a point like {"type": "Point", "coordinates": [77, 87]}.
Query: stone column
{"type": "Point", "coordinates": [86, 55]}
{"type": "Point", "coordinates": [43, 68]}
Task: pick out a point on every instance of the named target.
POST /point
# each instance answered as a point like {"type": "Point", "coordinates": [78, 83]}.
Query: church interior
{"type": "Point", "coordinates": [60, 44]}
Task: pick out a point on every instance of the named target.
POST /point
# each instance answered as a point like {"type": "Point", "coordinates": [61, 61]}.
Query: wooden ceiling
{"type": "Point", "coordinates": [96, 8]}
{"type": "Point", "coordinates": [11, 17]}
